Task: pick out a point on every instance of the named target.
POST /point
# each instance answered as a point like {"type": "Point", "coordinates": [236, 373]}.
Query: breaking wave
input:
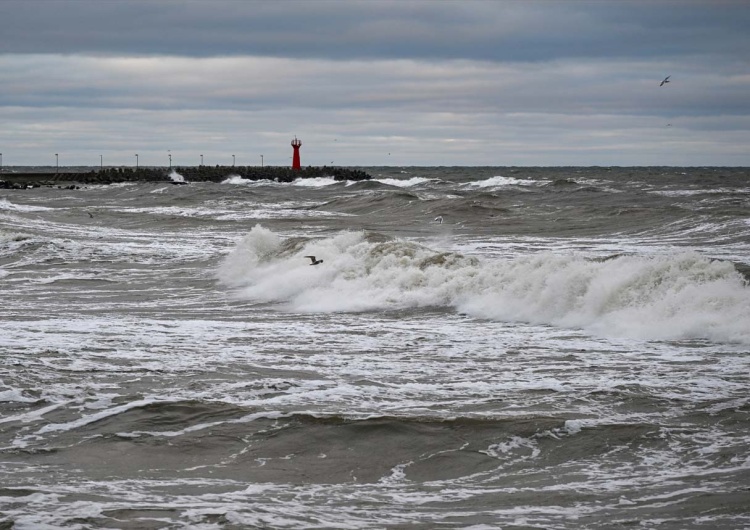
{"type": "Point", "coordinates": [407, 183]}
{"type": "Point", "coordinates": [499, 181]}
{"type": "Point", "coordinates": [666, 297]}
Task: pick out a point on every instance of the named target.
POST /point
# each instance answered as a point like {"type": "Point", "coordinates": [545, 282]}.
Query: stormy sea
{"type": "Point", "coordinates": [480, 348]}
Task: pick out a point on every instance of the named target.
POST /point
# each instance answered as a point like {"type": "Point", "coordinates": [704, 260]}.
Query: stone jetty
{"type": "Point", "coordinates": [69, 178]}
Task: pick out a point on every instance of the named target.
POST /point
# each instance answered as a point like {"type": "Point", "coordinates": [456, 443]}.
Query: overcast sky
{"type": "Point", "coordinates": [375, 82]}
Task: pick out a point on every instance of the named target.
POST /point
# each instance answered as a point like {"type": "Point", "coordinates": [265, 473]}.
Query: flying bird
{"type": "Point", "coordinates": [666, 80]}
{"type": "Point", "coordinates": [314, 261]}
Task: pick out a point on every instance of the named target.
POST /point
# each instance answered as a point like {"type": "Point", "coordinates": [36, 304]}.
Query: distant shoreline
{"type": "Point", "coordinates": [21, 180]}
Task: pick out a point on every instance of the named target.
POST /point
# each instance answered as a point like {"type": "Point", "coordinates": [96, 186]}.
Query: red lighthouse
{"type": "Point", "coordinates": [296, 144]}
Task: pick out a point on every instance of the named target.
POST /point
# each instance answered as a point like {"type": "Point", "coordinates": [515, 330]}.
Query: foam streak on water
{"type": "Point", "coordinates": [568, 349]}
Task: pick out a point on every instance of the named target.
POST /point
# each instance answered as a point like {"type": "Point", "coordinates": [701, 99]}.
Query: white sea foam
{"type": "Point", "coordinates": [513, 446]}
{"type": "Point", "coordinates": [35, 415]}
{"type": "Point", "coordinates": [5, 204]}
{"type": "Point", "coordinates": [401, 183]}
{"type": "Point", "coordinates": [671, 296]}
{"type": "Point", "coordinates": [317, 182]}
{"type": "Point", "coordinates": [499, 180]}
{"type": "Point", "coordinates": [700, 191]}
{"type": "Point", "coordinates": [249, 210]}
{"type": "Point", "coordinates": [236, 179]}
{"type": "Point", "coordinates": [86, 420]}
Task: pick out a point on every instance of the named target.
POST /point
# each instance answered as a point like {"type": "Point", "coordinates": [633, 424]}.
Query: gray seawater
{"type": "Point", "coordinates": [568, 348]}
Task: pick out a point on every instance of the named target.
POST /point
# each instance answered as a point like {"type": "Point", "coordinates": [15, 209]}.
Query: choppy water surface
{"type": "Point", "coordinates": [568, 348]}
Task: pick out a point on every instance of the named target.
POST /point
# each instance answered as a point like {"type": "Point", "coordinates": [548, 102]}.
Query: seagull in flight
{"type": "Point", "coordinates": [666, 80]}
{"type": "Point", "coordinates": [314, 261]}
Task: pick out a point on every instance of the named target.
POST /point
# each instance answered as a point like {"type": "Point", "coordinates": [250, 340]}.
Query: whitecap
{"type": "Point", "coordinates": [236, 179]}
{"type": "Point", "coordinates": [404, 183]}
{"type": "Point", "coordinates": [499, 181]}
{"type": "Point", "coordinates": [317, 182]}
{"type": "Point", "coordinates": [5, 204]}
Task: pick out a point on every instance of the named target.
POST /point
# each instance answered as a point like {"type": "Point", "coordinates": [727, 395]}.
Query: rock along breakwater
{"type": "Point", "coordinates": [20, 180]}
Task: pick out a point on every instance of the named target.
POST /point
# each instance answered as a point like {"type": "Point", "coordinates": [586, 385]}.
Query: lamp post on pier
{"type": "Point", "coordinates": [136, 161]}
{"type": "Point", "coordinates": [261, 160]}
{"type": "Point", "coordinates": [232, 160]}
{"type": "Point", "coordinates": [57, 164]}
{"type": "Point", "coordinates": [170, 159]}
{"type": "Point", "coordinates": [101, 162]}
{"type": "Point", "coordinates": [201, 160]}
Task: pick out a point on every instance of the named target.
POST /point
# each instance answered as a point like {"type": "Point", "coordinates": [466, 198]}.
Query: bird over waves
{"type": "Point", "coordinates": [314, 261]}
{"type": "Point", "coordinates": [666, 80]}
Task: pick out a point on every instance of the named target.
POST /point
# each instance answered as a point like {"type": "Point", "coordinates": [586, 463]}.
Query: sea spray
{"type": "Point", "coordinates": [236, 179]}
{"type": "Point", "coordinates": [176, 177]}
{"type": "Point", "coordinates": [257, 246]}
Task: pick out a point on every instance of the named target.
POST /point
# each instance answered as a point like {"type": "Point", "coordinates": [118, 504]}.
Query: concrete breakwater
{"type": "Point", "coordinates": [20, 179]}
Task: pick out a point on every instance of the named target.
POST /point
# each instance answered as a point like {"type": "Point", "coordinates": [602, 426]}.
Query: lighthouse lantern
{"type": "Point", "coordinates": [296, 144]}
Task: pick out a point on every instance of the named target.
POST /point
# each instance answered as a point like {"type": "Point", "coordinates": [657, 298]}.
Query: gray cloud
{"type": "Point", "coordinates": [448, 82]}
{"type": "Point", "coordinates": [247, 83]}
{"type": "Point", "coordinates": [368, 29]}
